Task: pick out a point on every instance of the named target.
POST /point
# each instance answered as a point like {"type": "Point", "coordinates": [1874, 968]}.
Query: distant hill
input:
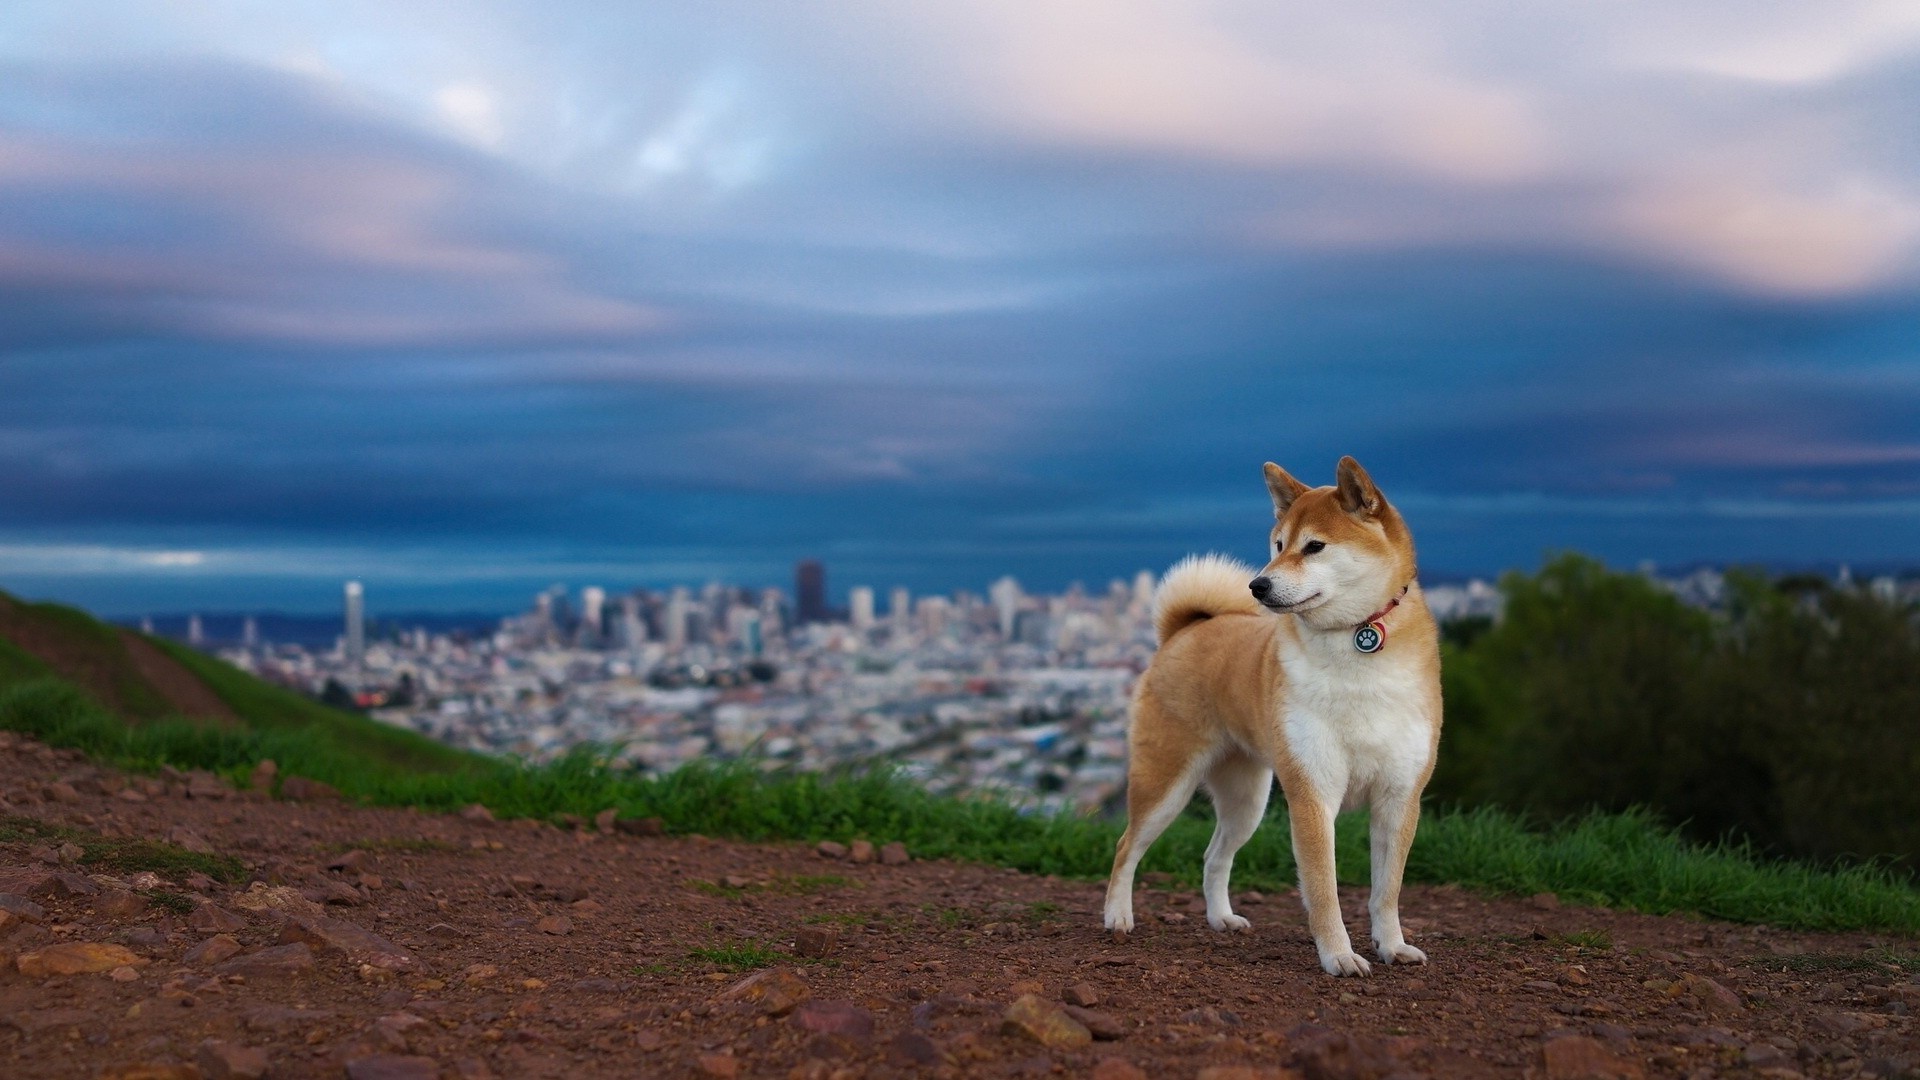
{"type": "Point", "coordinates": [140, 680]}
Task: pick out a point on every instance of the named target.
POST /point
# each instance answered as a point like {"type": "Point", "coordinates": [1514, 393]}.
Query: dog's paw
{"type": "Point", "coordinates": [1120, 922]}
{"type": "Point", "coordinates": [1345, 965]}
{"type": "Point", "coordinates": [1402, 953]}
{"type": "Point", "coordinates": [1229, 922]}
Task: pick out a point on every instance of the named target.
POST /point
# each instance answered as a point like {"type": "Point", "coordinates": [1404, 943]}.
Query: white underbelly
{"type": "Point", "coordinates": [1356, 743]}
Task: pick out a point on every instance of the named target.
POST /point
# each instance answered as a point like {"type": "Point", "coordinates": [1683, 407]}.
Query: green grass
{"type": "Point", "coordinates": [178, 903]}
{"type": "Point", "coordinates": [126, 855]}
{"type": "Point", "coordinates": [1624, 861]}
{"type": "Point", "coordinates": [739, 955]}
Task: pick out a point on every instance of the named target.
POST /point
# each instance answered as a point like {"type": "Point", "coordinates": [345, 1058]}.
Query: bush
{"type": "Point", "coordinates": [1792, 722]}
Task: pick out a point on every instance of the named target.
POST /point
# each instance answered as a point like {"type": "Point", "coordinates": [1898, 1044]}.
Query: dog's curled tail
{"type": "Point", "coordinates": [1200, 587]}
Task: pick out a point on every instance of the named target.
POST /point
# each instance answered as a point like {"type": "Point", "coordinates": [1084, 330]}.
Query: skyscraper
{"type": "Point", "coordinates": [196, 636]}
{"type": "Point", "coordinates": [593, 602]}
{"type": "Point", "coordinates": [1006, 604]}
{"type": "Point", "coordinates": [899, 610]}
{"type": "Point", "coordinates": [354, 641]}
{"type": "Point", "coordinates": [810, 592]}
{"type": "Point", "coordinates": [860, 607]}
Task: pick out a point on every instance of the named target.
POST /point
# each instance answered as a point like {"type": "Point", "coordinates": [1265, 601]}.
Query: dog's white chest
{"type": "Point", "coordinates": [1356, 724]}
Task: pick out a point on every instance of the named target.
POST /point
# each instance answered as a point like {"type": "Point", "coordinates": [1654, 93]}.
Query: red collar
{"type": "Point", "coordinates": [1371, 636]}
{"type": "Point", "coordinates": [1394, 603]}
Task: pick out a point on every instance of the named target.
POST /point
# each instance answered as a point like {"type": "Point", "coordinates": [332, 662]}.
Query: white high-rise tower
{"type": "Point", "coordinates": [860, 607]}
{"type": "Point", "coordinates": [354, 641]}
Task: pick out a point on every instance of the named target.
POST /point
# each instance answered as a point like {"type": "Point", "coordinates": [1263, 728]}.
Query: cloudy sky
{"type": "Point", "coordinates": [468, 298]}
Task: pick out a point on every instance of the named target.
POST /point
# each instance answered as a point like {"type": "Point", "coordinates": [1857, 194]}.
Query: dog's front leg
{"type": "Point", "coordinates": [1390, 836]}
{"type": "Point", "coordinates": [1312, 823]}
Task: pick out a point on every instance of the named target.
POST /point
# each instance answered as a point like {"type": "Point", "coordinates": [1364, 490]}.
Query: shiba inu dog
{"type": "Point", "coordinates": [1321, 668]}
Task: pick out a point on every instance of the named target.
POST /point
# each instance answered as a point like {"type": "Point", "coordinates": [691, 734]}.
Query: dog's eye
{"type": "Point", "coordinates": [1313, 547]}
{"type": "Point", "coordinates": [1279, 545]}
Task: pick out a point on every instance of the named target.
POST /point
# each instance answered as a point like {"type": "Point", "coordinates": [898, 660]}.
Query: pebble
{"type": "Point", "coordinates": [816, 941]}
{"type": "Point", "coordinates": [646, 826]}
{"type": "Point", "coordinates": [913, 1048]}
{"type": "Point", "coordinates": [558, 925]}
{"type": "Point", "coordinates": [278, 961]}
{"type": "Point", "coordinates": [214, 950]}
{"type": "Point", "coordinates": [1081, 994]}
{"type": "Point", "coordinates": [353, 861]}
{"type": "Point", "coordinates": [1713, 997]}
{"type": "Point", "coordinates": [124, 974]}
{"type": "Point", "coordinates": [719, 1065]}
{"type": "Point", "coordinates": [221, 1060]}
{"type": "Point", "coordinates": [828, 849]}
{"type": "Point", "coordinates": [841, 1019]}
{"type": "Point", "coordinates": [63, 793]}
{"type": "Point", "coordinates": [210, 918]}
{"type": "Point", "coordinates": [861, 852]}
{"type": "Point", "coordinates": [775, 991]}
{"type": "Point", "coordinates": [1117, 1069]}
{"type": "Point", "coordinates": [1545, 901]}
{"type": "Point", "coordinates": [1045, 1023]}
{"type": "Point", "coordinates": [1577, 1057]}
{"type": "Point", "coordinates": [392, 1067]}
{"type": "Point", "coordinates": [20, 908]}
{"type": "Point", "coordinates": [1103, 1026]}
{"type": "Point", "coordinates": [76, 958]}
{"type": "Point", "coordinates": [605, 820]}
{"type": "Point", "coordinates": [894, 854]}
{"type": "Point", "coordinates": [119, 904]}
{"type": "Point", "coordinates": [360, 945]}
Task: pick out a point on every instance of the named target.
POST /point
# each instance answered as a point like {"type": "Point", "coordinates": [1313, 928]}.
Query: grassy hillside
{"type": "Point", "coordinates": [1621, 860]}
{"type": "Point", "coordinates": [74, 669]}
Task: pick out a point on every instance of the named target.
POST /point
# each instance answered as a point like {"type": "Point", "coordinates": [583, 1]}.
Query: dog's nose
{"type": "Point", "coordinates": [1261, 587]}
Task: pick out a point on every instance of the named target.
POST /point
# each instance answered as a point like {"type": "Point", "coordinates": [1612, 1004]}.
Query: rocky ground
{"type": "Point", "coordinates": [385, 943]}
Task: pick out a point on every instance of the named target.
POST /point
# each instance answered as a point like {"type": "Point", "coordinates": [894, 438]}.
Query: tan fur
{"type": "Point", "coordinates": [1236, 688]}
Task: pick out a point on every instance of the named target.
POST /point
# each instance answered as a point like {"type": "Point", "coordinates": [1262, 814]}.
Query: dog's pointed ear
{"type": "Point", "coordinates": [1282, 487]}
{"type": "Point", "coordinates": [1358, 495]}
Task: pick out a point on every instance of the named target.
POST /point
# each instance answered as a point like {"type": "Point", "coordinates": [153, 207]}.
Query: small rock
{"type": "Point", "coordinates": [840, 1019]}
{"type": "Point", "coordinates": [261, 779]}
{"type": "Point", "coordinates": [1104, 1026]}
{"type": "Point", "coordinates": [181, 836]}
{"type": "Point", "coordinates": [119, 904]}
{"type": "Point", "coordinates": [1174, 918]}
{"type": "Point", "coordinates": [21, 909]}
{"type": "Point", "coordinates": [736, 881]}
{"type": "Point", "coordinates": [1045, 1023]}
{"type": "Point", "coordinates": [476, 812]}
{"type": "Point", "coordinates": [1081, 994]}
{"type": "Point", "coordinates": [1577, 1057]}
{"type": "Point", "coordinates": [569, 821]}
{"type": "Point", "coordinates": [894, 854]}
{"type": "Point", "coordinates": [332, 891]}
{"type": "Point", "coordinates": [131, 795]}
{"type": "Point", "coordinates": [124, 974]}
{"type": "Point", "coordinates": [558, 925]}
{"type": "Point", "coordinates": [77, 958]}
{"type": "Point", "coordinates": [913, 1048]}
{"type": "Point", "coordinates": [1117, 1069]}
{"type": "Point", "coordinates": [1320, 1052]}
{"type": "Point", "coordinates": [861, 852]}
{"type": "Point", "coordinates": [213, 950]}
{"type": "Point", "coordinates": [62, 793]}
{"type": "Point", "coordinates": [605, 819]}
{"type": "Point", "coordinates": [145, 881]}
{"type": "Point", "coordinates": [299, 789]}
{"type": "Point", "coordinates": [816, 941]}
{"type": "Point", "coordinates": [392, 1067]}
{"type": "Point", "coordinates": [646, 826]}
{"type": "Point", "coordinates": [721, 1065]}
{"type": "Point", "coordinates": [263, 897]}
{"type": "Point", "coordinates": [220, 1060]}
{"type": "Point", "coordinates": [211, 918]}
{"type": "Point", "coordinates": [1713, 997]}
{"type": "Point", "coordinates": [70, 852]}
{"type": "Point", "coordinates": [828, 849]}
{"type": "Point", "coordinates": [352, 862]}
{"type": "Point", "coordinates": [1545, 901]}
{"type": "Point", "coordinates": [360, 945]}
{"type": "Point", "coordinates": [278, 961]}
{"type": "Point", "coordinates": [776, 991]}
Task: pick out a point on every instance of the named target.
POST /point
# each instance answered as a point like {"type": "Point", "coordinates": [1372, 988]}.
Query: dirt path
{"type": "Point", "coordinates": [518, 950]}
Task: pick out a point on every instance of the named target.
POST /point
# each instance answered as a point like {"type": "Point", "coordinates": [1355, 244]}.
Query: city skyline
{"type": "Point", "coordinates": [464, 300]}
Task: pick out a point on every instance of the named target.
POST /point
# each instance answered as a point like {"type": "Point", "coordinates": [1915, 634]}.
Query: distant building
{"type": "Point", "coordinates": [196, 634]}
{"type": "Point", "coordinates": [354, 640]}
{"type": "Point", "coordinates": [679, 614]}
{"type": "Point", "coordinates": [860, 607]}
{"type": "Point", "coordinates": [810, 592]}
{"type": "Point", "coordinates": [1006, 597]}
{"type": "Point", "coordinates": [593, 602]}
{"type": "Point", "coordinates": [900, 610]}
{"type": "Point", "coordinates": [250, 633]}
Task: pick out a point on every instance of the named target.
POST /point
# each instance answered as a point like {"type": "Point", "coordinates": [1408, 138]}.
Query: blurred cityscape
{"type": "Point", "coordinates": [1005, 690]}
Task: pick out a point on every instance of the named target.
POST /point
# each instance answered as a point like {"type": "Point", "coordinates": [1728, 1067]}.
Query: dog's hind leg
{"type": "Point", "coordinates": [1158, 788]}
{"type": "Point", "coordinates": [1239, 786]}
